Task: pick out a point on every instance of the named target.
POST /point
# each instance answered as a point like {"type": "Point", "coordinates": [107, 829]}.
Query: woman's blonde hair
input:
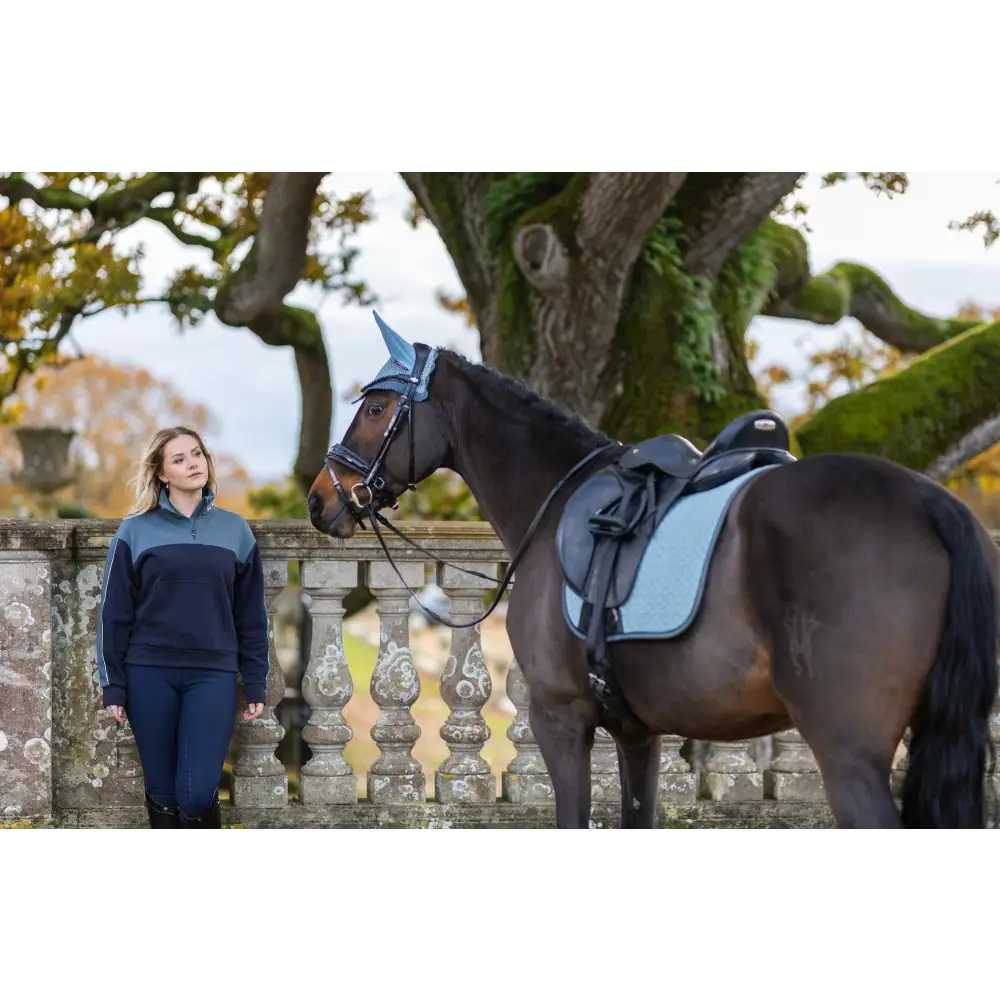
{"type": "Point", "coordinates": [147, 485]}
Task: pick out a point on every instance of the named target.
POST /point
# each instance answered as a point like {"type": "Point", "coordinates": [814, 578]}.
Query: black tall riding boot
{"type": "Point", "coordinates": [210, 819]}
{"type": "Point", "coordinates": [161, 817]}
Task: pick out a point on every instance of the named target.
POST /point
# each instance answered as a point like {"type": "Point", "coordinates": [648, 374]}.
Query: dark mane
{"type": "Point", "coordinates": [541, 406]}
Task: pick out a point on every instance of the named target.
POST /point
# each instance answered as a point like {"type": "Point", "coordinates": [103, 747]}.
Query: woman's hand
{"type": "Point", "coordinates": [117, 712]}
{"type": "Point", "coordinates": [253, 710]}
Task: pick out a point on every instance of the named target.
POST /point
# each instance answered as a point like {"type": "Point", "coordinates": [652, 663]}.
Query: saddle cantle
{"type": "Point", "coordinates": [610, 519]}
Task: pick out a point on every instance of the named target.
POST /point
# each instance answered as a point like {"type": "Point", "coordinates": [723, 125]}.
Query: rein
{"type": "Point", "coordinates": [379, 495]}
{"type": "Point", "coordinates": [377, 518]}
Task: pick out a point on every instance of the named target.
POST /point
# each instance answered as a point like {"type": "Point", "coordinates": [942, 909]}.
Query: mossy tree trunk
{"type": "Point", "coordinates": [621, 296]}
{"type": "Point", "coordinates": [627, 297]}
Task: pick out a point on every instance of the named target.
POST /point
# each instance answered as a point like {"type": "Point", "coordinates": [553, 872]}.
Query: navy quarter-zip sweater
{"type": "Point", "coordinates": [183, 592]}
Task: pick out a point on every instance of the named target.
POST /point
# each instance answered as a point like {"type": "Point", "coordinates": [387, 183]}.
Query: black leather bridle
{"type": "Point", "coordinates": [375, 484]}
{"type": "Point", "coordinates": [379, 494]}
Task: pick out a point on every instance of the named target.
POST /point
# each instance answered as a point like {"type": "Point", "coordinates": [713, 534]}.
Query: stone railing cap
{"type": "Point", "coordinates": [29, 535]}
{"type": "Point", "coordinates": [464, 540]}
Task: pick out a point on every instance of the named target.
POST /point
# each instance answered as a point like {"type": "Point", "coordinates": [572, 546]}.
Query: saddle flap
{"type": "Point", "coordinates": [612, 515]}
{"type": "Point", "coordinates": [575, 540]}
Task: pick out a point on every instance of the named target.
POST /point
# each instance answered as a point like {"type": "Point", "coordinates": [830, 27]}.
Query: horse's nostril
{"type": "Point", "coordinates": [315, 503]}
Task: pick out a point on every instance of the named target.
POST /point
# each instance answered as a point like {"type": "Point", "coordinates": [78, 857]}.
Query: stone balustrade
{"type": "Point", "coordinates": [63, 761]}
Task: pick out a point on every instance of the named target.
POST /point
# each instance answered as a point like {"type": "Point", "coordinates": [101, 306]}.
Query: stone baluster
{"type": "Point", "coordinates": [259, 779]}
{"type": "Point", "coordinates": [677, 782]}
{"type": "Point", "coordinates": [395, 776]}
{"type": "Point", "coordinates": [794, 775]}
{"type": "Point", "coordinates": [605, 779]}
{"type": "Point", "coordinates": [730, 774]}
{"type": "Point", "coordinates": [465, 777]}
{"type": "Point", "coordinates": [526, 778]}
{"type": "Point", "coordinates": [993, 777]}
{"type": "Point", "coordinates": [327, 686]}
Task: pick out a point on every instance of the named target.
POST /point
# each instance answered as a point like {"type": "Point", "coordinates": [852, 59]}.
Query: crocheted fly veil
{"type": "Point", "coordinates": [398, 372]}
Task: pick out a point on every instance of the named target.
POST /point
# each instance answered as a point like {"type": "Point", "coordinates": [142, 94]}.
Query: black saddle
{"type": "Point", "coordinates": [611, 517]}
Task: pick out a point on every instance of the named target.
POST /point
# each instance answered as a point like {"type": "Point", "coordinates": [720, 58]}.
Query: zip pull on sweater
{"type": "Point", "coordinates": [185, 592]}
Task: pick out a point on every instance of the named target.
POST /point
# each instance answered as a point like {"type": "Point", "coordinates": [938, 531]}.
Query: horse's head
{"type": "Point", "coordinates": [392, 444]}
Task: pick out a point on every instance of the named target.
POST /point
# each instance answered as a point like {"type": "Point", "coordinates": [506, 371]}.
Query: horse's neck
{"type": "Point", "coordinates": [511, 467]}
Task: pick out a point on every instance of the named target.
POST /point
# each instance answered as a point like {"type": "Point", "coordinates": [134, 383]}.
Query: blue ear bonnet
{"type": "Point", "coordinates": [403, 372]}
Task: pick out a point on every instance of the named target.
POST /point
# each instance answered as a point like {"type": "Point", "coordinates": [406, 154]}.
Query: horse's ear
{"type": "Point", "coordinates": [399, 349]}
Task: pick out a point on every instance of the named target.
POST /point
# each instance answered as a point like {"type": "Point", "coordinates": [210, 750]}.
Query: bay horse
{"type": "Point", "coordinates": [847, 596]}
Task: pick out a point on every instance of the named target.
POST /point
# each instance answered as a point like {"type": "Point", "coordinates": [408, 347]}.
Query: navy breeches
{"type": "Point", "coordinates": [183, 719]}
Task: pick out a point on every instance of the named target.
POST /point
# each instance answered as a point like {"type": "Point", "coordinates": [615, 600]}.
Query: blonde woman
{"type": "Point", "coordinates": [182, 612]}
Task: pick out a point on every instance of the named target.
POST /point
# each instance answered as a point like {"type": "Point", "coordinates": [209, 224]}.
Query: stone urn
{"type": "Point", "coordinates": [45, 461]}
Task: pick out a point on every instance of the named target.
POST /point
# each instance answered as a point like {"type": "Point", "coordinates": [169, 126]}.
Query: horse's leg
{"type": "Point", "coordinates": [850, 595]}
{"type": "Point", "coordinates": [565, 735]}
{"type": "Point", "coordinates": [853, 749]}
{"type": "Point", "coordinates": [639, 765]}
{"type": "Point", "coordinates": [857, 784]}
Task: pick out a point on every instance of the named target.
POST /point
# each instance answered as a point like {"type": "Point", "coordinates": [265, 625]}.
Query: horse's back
{"type": "Point", "coordinates": [851, 505]}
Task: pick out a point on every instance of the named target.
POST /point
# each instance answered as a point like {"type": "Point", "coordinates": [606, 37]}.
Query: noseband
{"type": "Point", "coordinates": [380, 496]}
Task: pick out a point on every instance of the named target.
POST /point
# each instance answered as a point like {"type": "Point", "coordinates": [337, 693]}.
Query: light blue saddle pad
{"type": "Point", "coordinates": [673, 570]}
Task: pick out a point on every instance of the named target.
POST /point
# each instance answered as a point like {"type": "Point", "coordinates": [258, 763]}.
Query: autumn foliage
{"type": "Point", "coordinates": [71, 247]}
{"type": "Point", "coordinates": [114, 409]}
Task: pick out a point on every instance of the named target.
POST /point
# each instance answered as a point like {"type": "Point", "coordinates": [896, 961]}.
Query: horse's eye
{"type": "Point", "coordinates": [375, 410]}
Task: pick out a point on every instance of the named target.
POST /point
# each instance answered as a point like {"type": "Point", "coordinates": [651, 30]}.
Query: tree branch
{"type": "Point", "coordinates": [618, 210]}
{"type": "Point", "coordinates": [719, 211]}
{"type": "Point", "coordinates": [599, 223]}
{"type": "Point", "coordinates": [17, 188]}
{"type": "Point", "coordinates": [201, 304]}
{"type": "Point", "coordinates": [127, 204]}
{"type": "Point", "coordinates": [577, 251]}
{"type": "Point", "coordinates": [165, 217]}
{"type": "Point", "coordinates": [276, 260]}
{"type": "Point", "coordinates": [253, 298]}
{"type": "Point", "coordinates": [300, 329]}
{"type": "Point", "coordinates": [455, 204]}
{"type": "Point", "coordinates": [112, 210]}
{"type": "Point", "coordinates": [974, 443]}
{"type": "Point", "coordinates": [27, 358]}
{"type": "Point", "coordinates": [930, 416]}
{"type": "Point", "coordinates": [852, 290]}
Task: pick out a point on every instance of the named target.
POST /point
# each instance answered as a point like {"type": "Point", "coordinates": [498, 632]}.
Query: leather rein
{"type": "Point", "coordinates": [379, 495]}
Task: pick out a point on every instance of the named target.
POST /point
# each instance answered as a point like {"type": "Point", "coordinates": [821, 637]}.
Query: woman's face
{"type": "Point", "coordinates": [184, 464]}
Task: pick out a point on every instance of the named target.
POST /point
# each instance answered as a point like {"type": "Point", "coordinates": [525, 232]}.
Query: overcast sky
{"type": "Point", "coordinates": [253, 391]}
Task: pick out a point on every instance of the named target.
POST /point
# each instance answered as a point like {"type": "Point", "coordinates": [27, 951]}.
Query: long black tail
{"type": "Point", "coordinates": [951, 747]}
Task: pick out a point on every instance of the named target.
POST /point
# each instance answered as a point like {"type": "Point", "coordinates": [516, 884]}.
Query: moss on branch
{"type": "Point", "coordinates": [662, 375]}
{"type": "Point", "coordinates": [920, 412]}
{"type": "Point", "coordinates": [847, 290]}
{"type": "Point", "coordinates": [288, 326]}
